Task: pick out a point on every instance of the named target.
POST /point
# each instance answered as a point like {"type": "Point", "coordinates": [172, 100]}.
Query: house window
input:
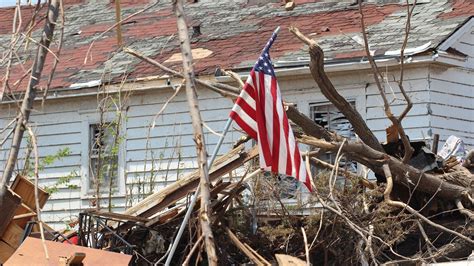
{"type": "Point", "coordinates": [328, 116]}
{"type": "Point", "coordinates": [103, 156]}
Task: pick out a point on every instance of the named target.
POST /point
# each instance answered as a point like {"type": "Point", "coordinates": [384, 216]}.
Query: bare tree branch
{"type": "Point", "coordinates": [388, 111]}
{"type": "Point", "coordinates": [400, 204]}
{"type": "Point", "coordinates": [31, 90]}
{"type": "Point", "coordinates": [191, 93]}
{"type": "Point", "coordinates": [327, 88]}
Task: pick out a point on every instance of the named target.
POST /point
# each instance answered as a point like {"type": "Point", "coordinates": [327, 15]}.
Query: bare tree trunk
{"type": "Point", "coordinates": [198, 132]}
{"type": "Point", "coordinates": [30, 94]}
{"type": "Point", "coordinates": [327, 88]}
{"type": "Point", "coordinates": [403, 174]}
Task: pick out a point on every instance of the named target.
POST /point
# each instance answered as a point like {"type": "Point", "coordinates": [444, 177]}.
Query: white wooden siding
{"type": "Point", "coordinates": [452, 103]}
{"type": "Point", "coordinates": [60, 125]}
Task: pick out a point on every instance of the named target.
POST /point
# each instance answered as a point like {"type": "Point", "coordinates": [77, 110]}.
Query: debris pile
{"type": "Point", "coordinates": [346, 220]}
{"type": "Point", "coordinates": [18, 217]}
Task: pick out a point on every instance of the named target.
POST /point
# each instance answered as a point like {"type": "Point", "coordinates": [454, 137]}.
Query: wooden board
{"type": "Point", "coordinates": [5, 251]}
{"type": "Point", "coordinates": [31, 253]}
{"type": "Point", "coordinates": [288, 260]}
{"type": "Point", "coordinates": [178, 190]}
{"type": "Point", "coordinates": [11, 202]}
{"type": "Point", "coordinates": [22, 209]}
{"type": "Point", "coordinates": [13, 235]}
{"type": "Point", "coordinates": [26, 190]}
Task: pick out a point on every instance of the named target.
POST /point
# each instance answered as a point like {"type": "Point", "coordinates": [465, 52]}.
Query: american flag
{"type": "Point", "coordinates": [259, 112]}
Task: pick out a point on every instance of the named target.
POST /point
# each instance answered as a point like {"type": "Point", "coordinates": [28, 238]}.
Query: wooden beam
{"type": "Point", "coordinates": [24, 215]}
{"type": "Point", "coordinates": [5, 252]}
{"type": "Point", "coordinates": [10, 203]}
{"type": "Point", "coordinates": [258, 260]}
{"type": "Point", "coordinates": [119, 216]}
{"type": "Point", "coordinates": [179, 189]}
{"type": "Point", "coordinates": [26, 190]}
{"type": "Point", "coordinates": [287, 260]}
{"type": "Point", "coordinates": [76, 259]}
{"type": "Point", "coordinates": [13, 234]}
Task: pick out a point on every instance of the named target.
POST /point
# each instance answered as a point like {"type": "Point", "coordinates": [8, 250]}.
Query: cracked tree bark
{"type": "Point", "coordinates": [30, 94]}
{"type": "Point", "coordinates": [204, 213]}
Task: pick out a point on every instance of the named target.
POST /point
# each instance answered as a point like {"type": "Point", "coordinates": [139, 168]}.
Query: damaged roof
{"type": "Point", "coordinates": [228, 34]}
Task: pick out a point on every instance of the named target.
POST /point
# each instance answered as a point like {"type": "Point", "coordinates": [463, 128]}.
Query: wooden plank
{"type": "Point", "coordinates": [257, 259]}
{"type": "Point", "coordinates": [416, 97]}
{"type": "Point", "coordinates": [408, 122]}
{"type": "Point", "coordinates": [453, 124]}
{"type": "Point", "coordinates": [287, 260]}
{"type": "Point", "coordinates": [176, 130]}
{"type": "Point", "coordinates": [119, 216]}
{"type": "Point", "coordinates": [5, 251]}
{"type": "Point", "coordinates": [464, 101]}
{"type": "Point", "coordinates": [174, 192]}
{"type": "Point", "coordinates": [218, 188]}
{"type": "Point", "coordinates": [76, 259]}
{"type": "Point", "coordinates": [25, 215]}
{"type": "Point", "coordinates": [26, 190]}
{"type": "Point", "coordinates": [454, 112]}
{"type": "Point", "coordinates": [208, 105]}
{"type": "Point", "coordinates": [21, 210]}
{"type": "Point", "coordinates": [453, 85]}
{"type": "Point", "coordinates": [12, 235]}
{"type": "Point", "coordinates": [11, 201]}
{"type": "Point", "coordinates": [378, 112]}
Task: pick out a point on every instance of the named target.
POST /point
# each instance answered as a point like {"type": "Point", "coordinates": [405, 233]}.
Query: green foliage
{"type": "Point", "coordinates": [48, 161]}
{"type": "Point", "coordinates": [63, 180]}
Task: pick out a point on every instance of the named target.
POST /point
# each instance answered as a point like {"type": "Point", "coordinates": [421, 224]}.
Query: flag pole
{"type": "Point", "coordinates": [195, 195]}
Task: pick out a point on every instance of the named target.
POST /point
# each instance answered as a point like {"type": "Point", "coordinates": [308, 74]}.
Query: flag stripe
{"type": "Point", "coordinates": [259, 112]}
{"type": "Point", "coordinates": [243, 124]}
{"type": "Point", "coordinates": [263, 115]}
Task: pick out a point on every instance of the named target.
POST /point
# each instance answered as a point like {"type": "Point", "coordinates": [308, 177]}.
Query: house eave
{"type": "Point", "coordinates": [285, 69]}
{"type": "Point", "coordinates": [296, 68]}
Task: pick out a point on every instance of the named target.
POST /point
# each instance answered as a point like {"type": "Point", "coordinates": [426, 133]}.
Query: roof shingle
{"type": "Point", "coordinates": [235, 33]}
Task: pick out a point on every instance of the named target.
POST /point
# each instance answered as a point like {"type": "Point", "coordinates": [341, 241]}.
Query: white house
{"type": "Point", "coordinates": [228, 35]}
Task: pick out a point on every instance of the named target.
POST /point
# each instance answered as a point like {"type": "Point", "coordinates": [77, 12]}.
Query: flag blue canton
{"type": "Point", "coordinates": [264, 63]}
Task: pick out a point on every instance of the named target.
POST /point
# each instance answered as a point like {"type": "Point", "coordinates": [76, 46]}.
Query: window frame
{"type": "Point", "coordinates": [90, 118]}
{"type": "Point", "coordinates": [359, 103]}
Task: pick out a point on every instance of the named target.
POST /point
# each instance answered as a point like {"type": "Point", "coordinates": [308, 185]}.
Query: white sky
{"type": "Point", "coordinates": [4, 3]}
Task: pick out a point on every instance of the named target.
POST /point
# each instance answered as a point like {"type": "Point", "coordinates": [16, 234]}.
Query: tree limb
{"type": "Point", "coordinates": [31, 91]}
{"type": "Point", "coordinates": [327, 88]}
{"type": "Point", "coordinates": [388, 111]}
{"type": "Point", "coordinates": [403, 174]}
{"type": "Point", "coordinates": [191, 94]}
{"type": "Point", "coordinates": [403, 205]}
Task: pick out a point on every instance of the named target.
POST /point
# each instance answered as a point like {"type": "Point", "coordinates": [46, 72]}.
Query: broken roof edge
{"type": "Point", "coordinates": [416, 55]}
{"type": "Point", "coordinates": [301, 67]}
{"type": "Point", "coordinates": [456, 34]}
{"type": "Point", "coordinates": [287, 69]}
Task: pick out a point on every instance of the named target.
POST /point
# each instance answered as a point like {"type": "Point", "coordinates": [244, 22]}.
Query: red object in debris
{"type": "Point", "coordinates": [74, 240]}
